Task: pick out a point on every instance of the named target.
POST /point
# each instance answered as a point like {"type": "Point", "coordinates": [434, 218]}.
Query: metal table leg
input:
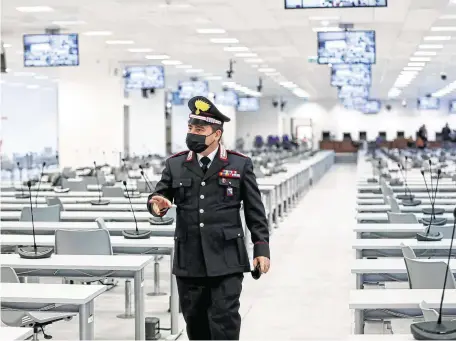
{"type": "Point", "coordinates": [86, 321]}
{"type": "Point", "coordinates": [127, 314]}
{"type": "Point", "coordinates": [156, 291]}
{"type": "Point", "coordinates": [140, 331]}
{"type": "Point", "coordinates": [175, 332]}
{"type": "Point", "coordinates": [359, 321]}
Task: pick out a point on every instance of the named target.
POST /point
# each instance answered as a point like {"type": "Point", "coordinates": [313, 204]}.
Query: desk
{"type": "Point", "coordinates": [124, 266]}
{"type": "Point", "coordinates": [15, 333]}
{"type": "Point", "coordinates": [392, 247]}
{"type": "Point", "coordinates": [404, 209]}
{"type": "Point", "coordinates": [72, 200]}
{"type": "Point", "coordinates": [418, 195]}
{"type": "Point", "coordinates": [365, 229]}
{"type": "Point", "coordinates": [413, 188]}
{"type": "Point", "coordinates": [81, 207]}
{"type": "Point", "coordinates": [114, 228]}
{"type": "Point", "coordinates": [424, 201]}
{"type": "Point", "coordinates": [380, 337]}
{"type": "Point", "coordinates": [394, 299]}
{"type": "Point", "coordinates": [73, 298]}
{"type": "Point", "coordinates": [120, 245]}
{"type": "Point", "coordinates": [373, 218]}
{"type": "Point", "coordinates": [69, 194]}
{"type": "Point", "coordinates": [87, 216]}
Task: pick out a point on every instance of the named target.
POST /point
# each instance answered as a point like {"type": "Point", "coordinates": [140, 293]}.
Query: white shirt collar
{"type": "Point", "coordinates": [211, 156]}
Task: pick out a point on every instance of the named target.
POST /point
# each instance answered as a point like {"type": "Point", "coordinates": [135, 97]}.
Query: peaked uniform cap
{"type": "Point", "coordinates": [204, 112]}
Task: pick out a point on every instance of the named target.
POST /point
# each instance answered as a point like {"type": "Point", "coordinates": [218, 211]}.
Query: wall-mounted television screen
{"type": "Point", "coordinates": [351, 74]}
{"type": "Point", "coordinates": [51, 50]}
{"type": "Point", "coordinates": [452, 106]}
{"type": "Point", "coordinates": [144, 77]}
{"type": "Point", "coordinates": [228, 98]}
{"type": "Point", "coordinates": [370, 107]}
{"type": "Point", "coordinates": [191, 89]}
{"type": "Point", "coordinates": [352, 103]}
{"type": "Point", "coordinates": [176, 99]}
{"type": "Point", "coordinates": [428, 103]}
{"type": "Point", "coordinates": [353, 91]}
{"type": "Point", "coordinates": [346, 47]}
{"type": "Point", "coordinates": [248, 104]}
{"type": "Point", "coordinates": [299, 4]}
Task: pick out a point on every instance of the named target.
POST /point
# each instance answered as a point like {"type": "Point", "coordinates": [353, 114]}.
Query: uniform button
{"type": "Point", "coordinates": [203, 184]}
{"type": "Point", "coordinates": [202, 196]}
{"type": "Point", "coordinates": [201, 224]}
{"type": "Point", "coordinates": [201, 211]}
{"type": "Point", "coordinates": [180, 184]}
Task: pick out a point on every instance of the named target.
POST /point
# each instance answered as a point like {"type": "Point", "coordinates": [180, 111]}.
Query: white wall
{"type": "Point", "coordinates": [331, 116]}
{"type": "Point", "coordinates": [147, 123]}
{"type": "Point", "coordinates": [31, 119]}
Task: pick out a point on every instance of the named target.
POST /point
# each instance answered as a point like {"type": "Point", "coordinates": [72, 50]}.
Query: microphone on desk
{"type": "Point", "coordinates": [33, 252]}
{"type": "Point", "coordinates": [440, 329]}
{"type": "Point", "coordinates": [427, 236]}
{"type": "Point", "coordinates": [373, 180]}
{"type": "Point", "coordinates": [405, 196]}
{"type": "Point", "coordinates": [98, 202]}
{"type": "Point", "coordinates": [146, 179]}
{"type": "Point", "coordinates": [22, 195]}
{"type": "Point", "coordinates": [410, 200]}
{"type": "Point", "coordinates": [136, 233]}
{"type": "Point", "coordinates": [39, 183]}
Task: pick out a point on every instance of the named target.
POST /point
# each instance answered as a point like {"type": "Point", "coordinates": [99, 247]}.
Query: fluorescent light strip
{"type": "Point", "coordinates": [420, 59]}
{"type": "Point", "coordinates": [183, 66]}
{"type": "Point", "coordinates": [235, 49]}
{"type": "Point", "coordinates": [7, 46]}
{"type": "Point", "coordinates": [288, 85]}
{"type": "Point", "coordinates": [246, 55]}
{"type": "Point", "coordinates": [140, 50]}
{"type": "Point", "coordinates": [120, 42]}
{"type": "Point", "coordinates": [445, 90]}
{"type": "Point", "coordinates": [34, 9]}
{"type": "Point", "coordinates": [409, 68]}
{"type": "Point", "coordinates": [443, 29]}
{"type": "Point", "coordinates": [300, 93]}
{"type": "Point", "coordinates": [324, 18]}
{"type": "Point", "coordinates": [68, 22]}
{"type": "Point", "coordinates": [430, 46]}
{"type": "Point", "coordinates": [194, 70]}
{"type": "Point", "coordinates": [425, 53]}
{"type": "Point", "coordinates": [171, 62]}
{"type": "Point", "coordinates": [448, 17]}
{"type": "Point", "coordinates": [98, 33]}
{"type": "Point", "coordinates": [416, 64]}
{"type": "Point", "coordinates": [326, 29]}
{"type": "Point", "coordinates": [213, 78]}
{"type": "Point", "coordinates": [157, 57]}
{"type": "Point", "coordinates": [210, 31]}
{"type": "Point", "coordinates": [254, 60]}
{"type": "Point", "coordinates": [437, 38]}
{"type": "Point", "coordinates": [267, 69]}
{"type": "Point", "coordinates": [224, 41]}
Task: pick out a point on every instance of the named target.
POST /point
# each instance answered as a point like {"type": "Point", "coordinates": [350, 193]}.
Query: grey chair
{"type": "Point", "coordinates": [101, 224]}
{"type": "Point", "coordinates": [390, 200]}
{"type": "Point", "coordinates": [407, 251]}
{"type": "Point", "coordinates": [92, 180]}
{"type": "Point", "coordinates": [402, 218]}
{"type": "Point", "coordinates": [112, 192]}
{"type": "Point", "coordinates": [74, 185]}
{"type": "Point", "coordinates": [54, 201]}
{"type": "Point", "coordinates": [84, 242]}
{"type": "Point", "coordinates": [49, 213]}
{"type": "Point", "coordinates": [28, 314]}
{"type": "Point", "coordinates": [428, 274]}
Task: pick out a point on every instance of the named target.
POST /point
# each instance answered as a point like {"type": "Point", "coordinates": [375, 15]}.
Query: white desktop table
{"type": "Point", "coordinates": [361, 229]}
{"type": "Point", "coordinates": [404, 209]}
{"type": "Point", "coordinates": [86, 216]}
{"type": "Point", "coordinates": [83, 199]}
{"type": "Point", "coordinates": [121, 266]}
{"type": "Point", "coordinates": [81, 296]}
{"type": "Point", "coordinates": [424, 201]}
{"type": "Point", "coordinates": [15, 333]}
{"type": "Point", "coordinates": [417, 195]}
{"type": "Point", "coordinates": [372, 218]}
{"type": "Point", "coordinates": [81, 207]}
{"type": "Point", "coordinates": [413, 188]}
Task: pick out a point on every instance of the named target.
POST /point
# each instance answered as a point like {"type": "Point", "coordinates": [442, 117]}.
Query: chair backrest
{"type": "Point", "coordinates": [45, 213]}
{"type": "Point", "coordinates": [92, 180]}
{"type": "Point", "coordinates": [83, 242]}
{"type": "Point", "coordinates": [52, 201]}
{"type": "Point", "coordinates": [407, 251]}
{"type": "Point", "coordinates": [428, 313]}
{"type": "Point", "coordinates": [393, 204]}
{"type": "Point", "coordinates": [112, 192]}
{"type": "Point", "coordinates": [74, 185]}
{"type": "Point", "coordinates": [428, 274]}
{"type": "Point", "coordinates": [402, 218]}
{"type": "Point", "coordinates": [8, 275]}
{"type": "Point", "coordinates": [101, 223]}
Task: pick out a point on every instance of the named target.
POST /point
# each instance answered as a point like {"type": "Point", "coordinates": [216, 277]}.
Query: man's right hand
{"type": "Point", "coordinates": [159, 203]}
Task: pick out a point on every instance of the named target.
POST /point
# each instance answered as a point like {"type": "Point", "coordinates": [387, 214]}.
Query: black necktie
{"type": "Point", "coordinates": [205, 161]}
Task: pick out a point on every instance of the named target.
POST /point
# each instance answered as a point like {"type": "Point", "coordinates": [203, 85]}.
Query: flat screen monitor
{"type": "Point", "coordinates": [382, 134]}
{"type": "Point", "coordinates": [248, 104]}
{"type": "Point", "coordinates": [452, 106]}
{"type": "Point", "coordinates": [50, 50]}
{"type": "Point", "coordinates": [176, 99]}
{"type": "Point", "coordinates": [144, 77]}
{"type": "Point", "coordinates": [370, 107]}
{"type": "Point", "coordinates": [300, 4]}
{"type": "Point", "coordinates": [346, 47]}
{"type": "Point", "coordinates": [347, 136]}
{"type": "Point", "coordinates": [353, 91]}
{"type": "Point", "coordinates": [227, 98]}
{"type": "Point", "coordinates": [352, 103]}
{"type": "Point", "coordinates": [400, 135]}
{"type": "Point", "coordinates": [325, 135]}
{"type": "Point", "coordinates": [351, 74]}
{"type": "Point", "coordinates": [189, 89]}
{"type": "Point", "coordinates": [428, 103]}
{"type": "Point", "coordinates": [362, 136]}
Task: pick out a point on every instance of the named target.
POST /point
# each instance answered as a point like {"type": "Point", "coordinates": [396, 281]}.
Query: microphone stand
{"type": "Point", "coordinates": [98, 202]}
{"type": "Point", "coordinates": [136, 233]}
{"type": "Point", "coordinates": [440, 329]}
{"type": "Point", "coordinates": [33, 252]}
{"type": "Point", "coordinates": [22, 195]}
{"type": "Point", "coordinates": [405, 196]}
{"type": "Point", "coordinates": [411, 201]}
{"type": "Point", "coordinates": [372, 180]}
{"type": "Point", "coordinates": [39, 183]}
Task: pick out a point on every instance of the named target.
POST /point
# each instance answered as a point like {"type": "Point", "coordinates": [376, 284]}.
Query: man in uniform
{"type": "Point", "coordinates": [207, 183]}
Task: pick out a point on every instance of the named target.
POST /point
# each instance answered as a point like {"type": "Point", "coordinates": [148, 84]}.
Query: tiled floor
{"type": "Point", "coordinates": [305, 295]}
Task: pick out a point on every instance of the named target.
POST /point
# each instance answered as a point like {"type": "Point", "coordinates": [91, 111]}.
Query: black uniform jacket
{"type": "Point", "coordinates": [209, 238]}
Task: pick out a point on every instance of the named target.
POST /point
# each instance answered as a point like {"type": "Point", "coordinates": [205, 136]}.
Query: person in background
{"type": "Point", "coordinates": [446, 136]}
{"type": "Point", "coordinates": [421, 141]}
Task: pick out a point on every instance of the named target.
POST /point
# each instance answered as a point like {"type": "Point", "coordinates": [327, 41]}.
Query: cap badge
{"type": "Point", "coordinates": [201, 106]}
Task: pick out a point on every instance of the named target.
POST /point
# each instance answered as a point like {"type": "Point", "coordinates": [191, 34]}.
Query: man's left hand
{"type": "Point", "coordinates": [264, 263]}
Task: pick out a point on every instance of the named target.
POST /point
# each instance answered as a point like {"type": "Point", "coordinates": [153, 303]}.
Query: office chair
{"type": "Point", "coordinates": [53, 201]}
{"type": "Point", "coordinates": [112, 192]}
{"type": "Point", "coordinates": [28, 314]}
{"type": "Point", "coordinates": [46, 213]}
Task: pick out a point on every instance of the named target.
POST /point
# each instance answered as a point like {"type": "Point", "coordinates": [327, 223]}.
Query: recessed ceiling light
{"type": "Point", "coordinates": [235, 48]}
{"type": "Point", "coordinates": [443, 29]}
{"type": "Point", "coordinates": [194, 70]}
{"type": "Point", "coordinates": [327, 29]}
{"type": "Point", "coordinates": [420, 59]}
{"type": "Point", "coordinates": [416, 64]}
{"type": "Point", "coordinates": [271, 74]}
{"type": "Point", "coordinates": [171, 62]}
{"type": "Point", "coordinates": [430, 46]}
{"type": "Point", "coordinates": [140, 50]}
{"type": "Point", "coordinates": [210, 31]}
{"type": "Point", "coordinates": [254, 60]}
{"type": "Point", "coordinates": [289, 85]}
{"type": "Point", "coordinates": [425, 53]}
{"type": "Point", "coordinates": [120, 42]}
{"type": "Point", "coordinates": [246, 54]}
{"type": "Point", "coordinates": [412, 68]}
{"type": "Point", "coordinates": [35, 9]}
{"type": "Point", "coordinates": [68, 22]}
{"type": "Point", "coordinates": [7, 45]}
{"type": "Point", "coordinates": [41, 77]}
{"type": "Point", "coordinates": [183, 66]}
{"type": "Point", "coordinates": [24, 73]}
{"type": "Point", "coordinates": [224, 41]}
{"type": "Point", "coordinates": [437, 38]}
{"type": "Point", "coordinates": [448, 16]}
{"type": "Point", "coordinates": [267, 69]}
{"type": "Point", "coordinates": [323, 18]}
{"type": "Point", "coordinates": [157, 56]}
{"type": "Point", "coordinates": [300, 93]}
{"type": "Point", "coordinates": [98, 33]}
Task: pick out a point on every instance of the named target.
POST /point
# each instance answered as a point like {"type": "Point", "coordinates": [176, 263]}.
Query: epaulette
{"type": "Point", "coordinates": [236, 153]}
{"type": "Point", "coordinates": [178, 154]}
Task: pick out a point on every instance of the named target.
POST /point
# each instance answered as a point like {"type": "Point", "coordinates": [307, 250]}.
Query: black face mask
{"type": "Point", "coordinates": [197, 143]}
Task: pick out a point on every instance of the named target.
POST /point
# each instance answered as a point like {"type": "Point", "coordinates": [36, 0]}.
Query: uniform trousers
{"type": "Point", "coordinates": [210, 306]}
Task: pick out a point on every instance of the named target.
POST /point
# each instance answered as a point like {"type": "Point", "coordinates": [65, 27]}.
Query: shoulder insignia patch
{"type": "Point", "coordinates": [178, 154]}
{"type": "Point", "coordinates": [236, 153]}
